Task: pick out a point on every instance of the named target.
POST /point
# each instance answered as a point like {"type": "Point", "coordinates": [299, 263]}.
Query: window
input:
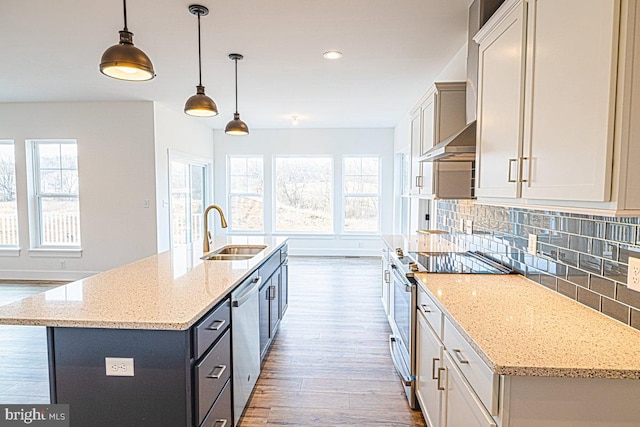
{"type": "Point", "coordinates": [246, 193]}
{"type": "Point", "coordinates": [303, 187]}
{"type": "Point", "coordinates": [8, 205]}
{"type": "Point", "coordinates": [361, 194]}
{"type": "Point", "coordinates": [55, 165]}
{"type": "Point", "coordinates": [187, 187]}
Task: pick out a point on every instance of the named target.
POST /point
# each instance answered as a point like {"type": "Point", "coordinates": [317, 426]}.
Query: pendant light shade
{"type": "Point", "coordinates": [200, 105]}
{"type": "Point", "coordinates": [236, 126]}
{"type": "Point", "coordinates": [124, 61]}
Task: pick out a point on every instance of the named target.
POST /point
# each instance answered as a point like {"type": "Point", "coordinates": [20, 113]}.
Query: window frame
{"type": "Point", "coordinates": [11, 247]}
{"type": "Point", "coordinates": [230, 194]}
{"type": "Point", "coordinates": [332, 199]}
{"type": "Point", "coordinates": [345, 195]}
{"type": "Point", "coordinates": [36, 226]}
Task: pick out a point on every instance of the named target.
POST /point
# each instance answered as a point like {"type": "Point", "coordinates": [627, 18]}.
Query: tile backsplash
{"type": "Point", "coordinates": [583, 257]}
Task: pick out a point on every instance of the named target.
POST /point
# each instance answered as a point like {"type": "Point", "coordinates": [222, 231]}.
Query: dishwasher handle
{"type": "Point", "coordinates": [248, 293]}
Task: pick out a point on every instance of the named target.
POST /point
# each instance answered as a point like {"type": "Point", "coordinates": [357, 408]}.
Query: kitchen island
{"type": "Point", "coordinates": [149, 343]}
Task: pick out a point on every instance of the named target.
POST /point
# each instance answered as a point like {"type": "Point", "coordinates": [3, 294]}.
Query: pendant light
{"type": "Point", "coordinates": [236, 126]}
{"type": "Point", "coordinates": [200, 105]}
{"type": "Point", "coordinates": [124, 61]}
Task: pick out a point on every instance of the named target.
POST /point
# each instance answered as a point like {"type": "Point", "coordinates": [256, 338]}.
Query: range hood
{"type": "Point", "coordinates": [459, 147]}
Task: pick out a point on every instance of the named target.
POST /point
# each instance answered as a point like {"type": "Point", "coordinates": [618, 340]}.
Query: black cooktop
{"type": "Point", "coordinates": [458, 262]}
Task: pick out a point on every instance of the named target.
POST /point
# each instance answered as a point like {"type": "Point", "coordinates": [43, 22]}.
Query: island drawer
{"type": "Point", "coordinates": [284, 253]}
{"type": "Point", "coordinates": [270, 266]}
{"type": "Point", "coordinates": [220, 414]}
{"type": "Point", "coordinates": [207, 330]}
{"type": "Point", "coordinates": [430, 310]}
{"type": "Point", "coordinates": [211, 374]}
{"type": "Point", "coordinates": [481, 378]}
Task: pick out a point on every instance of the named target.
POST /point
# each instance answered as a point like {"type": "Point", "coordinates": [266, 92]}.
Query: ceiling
{"type": "Point", "coordinates": [393, 49]}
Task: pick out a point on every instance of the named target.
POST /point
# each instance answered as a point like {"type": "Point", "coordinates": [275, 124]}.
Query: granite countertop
{"type": "Point", "coordinates": [521, 328]}
{"type": "Point", "coordinates": [167, 291]}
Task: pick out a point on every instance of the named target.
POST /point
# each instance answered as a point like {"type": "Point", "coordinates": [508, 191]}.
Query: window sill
{"type": "Point", "coordinates": [9, 252]}
{"type": "Point", "coordinates": [55, 252]}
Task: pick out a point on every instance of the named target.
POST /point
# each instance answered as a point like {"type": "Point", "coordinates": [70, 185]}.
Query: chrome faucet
{"type": "Point", "coordinates": [207, 235]}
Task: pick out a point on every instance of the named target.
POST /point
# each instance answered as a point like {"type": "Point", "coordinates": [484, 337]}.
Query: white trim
{"type": "Point", "coordinates": [9, 252]}
{"type": "Point", "coordinates": [55, 253]}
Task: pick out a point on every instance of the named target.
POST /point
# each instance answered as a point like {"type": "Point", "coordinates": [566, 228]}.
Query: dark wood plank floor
{"type": "Point", "coordinates": [329, 364]}
{"type": "Point", "coordinates": [24, 376]}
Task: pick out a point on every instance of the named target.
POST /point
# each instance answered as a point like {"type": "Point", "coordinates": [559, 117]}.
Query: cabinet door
{"type": "Point", "coordinates": [284, 288]}
{"type": "Point", "coordinates": [428, 112]}
{"type": "Point", "coordinates": [571, 81]}
{"type": "Point", "coordinates": [463, 408]}
{"type": "Point", "coordinates": [416, 182]}
{"type": "Point", "coordinates": [428, 361]}
{"type": "Point", "coordinates": [501, 106]}
{"type": "Point", "coordinates": [263, 309]}
{"type": "Point", "coordinates": [274, 298]}
{"type": "Point", "coordinates": [386, 280]}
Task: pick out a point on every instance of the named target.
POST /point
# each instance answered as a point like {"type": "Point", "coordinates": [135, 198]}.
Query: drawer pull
{"type": "Point", "coordinates": [272, 292]}
{"type": "Point", "coordinates": [387, 276]}
{"type": "Point", "coordinates": [458, 354]}
{"type": "Point", "coordinates": [440, 378]}
{"type": "Point", "coordinates": [220, 423]}
{"type": "Point", "coordinates": [217, 375]}
{"type": "Point", "coordinates": [509, 179]}
{"type": "Point", "coordinates": [216, 325]}
{"type": "Point", "coordinates": [425, 308]}
{"type": "Point", "coordinates": [433, 368]}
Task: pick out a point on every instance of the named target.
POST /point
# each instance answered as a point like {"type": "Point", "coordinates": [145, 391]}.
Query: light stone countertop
{"type": "Point", "coordinates": [521, 328]}
{"type": "Point", "coordinates": [168, 291]}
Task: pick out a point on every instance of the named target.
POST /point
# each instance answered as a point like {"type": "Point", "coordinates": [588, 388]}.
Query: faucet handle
{"type": "Point", "coordinates": [209, 236]}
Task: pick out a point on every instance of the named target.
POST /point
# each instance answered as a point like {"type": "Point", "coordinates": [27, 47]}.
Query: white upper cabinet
{"type": "Point", "coordinates": [557, 102]}
{"type": "Point", "coordinates": [439, 114]}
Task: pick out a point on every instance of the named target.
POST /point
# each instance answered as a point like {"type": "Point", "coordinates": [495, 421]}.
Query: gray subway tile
{"type": "Point", "coordinates": [578, 277]}
{"type": "Point", "coordinates": [567, 289]}
{"type": "Point", "coordinates": [627, 251]}
{"type": "Point", "coordinates": [602, 286]}
{"type": "Point", "coordinates": [590, 263]}
{"type": "Point", "coordinates": [615, 271]}
{"type": "Point", "coordinates": [557, 269]}
{"type": "Point", "coordinates": [568, 257]}
{"type": "Point", "coordinates": [549, 282]}
{"type": "Point", "coordinates": [616, 310]}
{"type": "Point", "coordinates": [623, 233]}
{"type": "Point", "coordinates": [579, 243]}
{"type": "Point", "coordinates": [548, 250]}
{"type": "Point", "coordinates": [628, 296]}
{"type": "Point", "coordinates": [593, 228]}
{"type": "Point", "coordinates": [635, 318]}
{"type": "Point", "coordinates": [604, 249]}
{"type": "Point", "coordinates": [588, 298]}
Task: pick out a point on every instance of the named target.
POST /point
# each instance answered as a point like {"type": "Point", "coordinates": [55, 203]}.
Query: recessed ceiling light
{"type": "Point", "coordinates": [332, 54]}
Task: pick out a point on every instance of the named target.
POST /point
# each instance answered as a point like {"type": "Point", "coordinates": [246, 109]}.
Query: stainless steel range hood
{"type": "Point", "coordinates": [459, 147]}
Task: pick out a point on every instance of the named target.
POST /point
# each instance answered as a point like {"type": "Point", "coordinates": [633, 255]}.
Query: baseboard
{"type": "Point", "coordinates": [45, 275]}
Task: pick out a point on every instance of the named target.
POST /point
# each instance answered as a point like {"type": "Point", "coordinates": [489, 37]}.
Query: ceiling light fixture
{"type": "Point", "coordinates": [124, 61]}
{"type": "Point", "coordinates": [200, 105]}
{"type": "Point", "coordinates": [236, 126]}
{"type": "Point", "coordinates": [332, 54]}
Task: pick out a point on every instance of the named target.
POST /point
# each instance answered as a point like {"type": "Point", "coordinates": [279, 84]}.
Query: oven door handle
{"type": "Point", "coordinates": [408, 287]}
{"type": "Point", "coordinates": [406, 379]}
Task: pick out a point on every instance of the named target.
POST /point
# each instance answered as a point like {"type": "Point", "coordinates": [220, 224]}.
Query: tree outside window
{"type": "Point", "coordinates": [361, 179]}
{"type": "Point", "coordinates": [246, 193]}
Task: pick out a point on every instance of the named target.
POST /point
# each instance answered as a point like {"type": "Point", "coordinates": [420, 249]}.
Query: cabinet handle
{"type": "Point", "coordinates": [425, 308]}
{"type": "Point", "coordinates": [433, 368]}
{"type": "Point", "coordinates": [419, 181]}
{"type": "Point", "coordinates": [217, 375]}
{"type": "Point", "coordinates": [440, 378]}
{"type": "Point", "coordinates": [222, 423]}
{"type": "Point", "coordinates": [509, 179]}
{"type": "Point", "coordinates": [216, 325]}
{"type": "Point", "coordinates": [272, 292]}
{"type": "Point", "coordinates": [522, 175]}
{"type": "Point", "coordinates": [458, 354]}
{"type": "Point", "coordinates": [387, 276]}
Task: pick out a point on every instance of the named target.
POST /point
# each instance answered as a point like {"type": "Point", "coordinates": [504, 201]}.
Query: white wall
{"type": "Point", "coordinates": [116, 170]}
{"type": "Point", "coordinates": [181, 134]}
{"type": "Point", "coordinates": [336, 142]}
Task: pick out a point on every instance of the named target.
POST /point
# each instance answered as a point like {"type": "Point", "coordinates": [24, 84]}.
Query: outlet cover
{"type": "Point", "coordinates": [469, 227]}
{"type": "Point", "coordinates": [633, 278]}
{"type": "Point", "coordinates": [119, 366]}
{"type": "Point", "coordinates": [533, 244]}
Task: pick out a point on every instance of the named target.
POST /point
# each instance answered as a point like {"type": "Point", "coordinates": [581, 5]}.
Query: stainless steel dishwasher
{"type": "Point", "coordinates": [245, 323]}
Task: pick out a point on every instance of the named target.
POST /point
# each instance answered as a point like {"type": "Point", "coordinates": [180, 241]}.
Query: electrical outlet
{"type": "Point", "coordinates": [146, 204]}
{"type": "Point", "coordinates": [119, 366]}
{"type": "Point", "coordinates": [633, 277]}
{"type": "Point", "coordinates": [469, 227]}
{"type": "Point", "coordinates": [532, 248]}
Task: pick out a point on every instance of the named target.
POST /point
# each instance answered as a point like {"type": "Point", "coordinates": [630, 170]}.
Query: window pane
{"type": "Point", "coordinates": [303, 194]}
{"type": "Point", "coordinates": [69, 156]}
{"type": "Point", "coordinates": [246, 213]}
{"type": "Point", "coordinates": [361, 214]}
{"type": "Point", "coordinates": [49, 156]}
{"type": "Point", "coordinates": [246, 185]}
{"type": "Point", "coordinates": [197, 201]}
{"type": "Point", "coordinates": [60, 221]}
{"type": "Point", "coordinates": [370, 184]}
{"type": "Point", "coordinates": [8, 205]}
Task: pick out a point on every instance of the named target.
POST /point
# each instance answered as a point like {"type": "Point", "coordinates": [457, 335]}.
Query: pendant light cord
{"type": "Point", "coordinates": [124, 7]}
{"type": "Point", "coordinates": [199, 54]}
{"type": "Point", "coordinates": [236, 61]}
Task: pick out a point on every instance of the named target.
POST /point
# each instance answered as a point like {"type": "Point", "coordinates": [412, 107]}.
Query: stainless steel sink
{"type": "Point", "coordinates": [234, 253]}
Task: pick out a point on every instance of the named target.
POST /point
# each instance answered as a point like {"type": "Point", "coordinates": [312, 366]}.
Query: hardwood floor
{"type": "Point", "coordinates": [24, 376]}
{"type": "Point", "coordinates": [329, 364]}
